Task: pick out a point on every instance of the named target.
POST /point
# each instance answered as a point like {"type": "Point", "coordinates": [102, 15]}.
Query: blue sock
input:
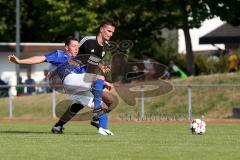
{"type": "Point", "coordinates": [97, 93]}
{"type": "Point", "coordinates": [103, 121]}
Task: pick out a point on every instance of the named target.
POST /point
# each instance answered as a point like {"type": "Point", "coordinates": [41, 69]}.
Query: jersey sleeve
{"type": "Point", "coordinates": [50, 57]}
{"type": "Point", "coordinates": [86, 44]}
{"type": "Point", "coordinates": [56, 57]}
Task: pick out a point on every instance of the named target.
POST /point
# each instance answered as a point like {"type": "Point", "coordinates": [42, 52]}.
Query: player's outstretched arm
{"type": "Point", "coordinates": [30, 60]}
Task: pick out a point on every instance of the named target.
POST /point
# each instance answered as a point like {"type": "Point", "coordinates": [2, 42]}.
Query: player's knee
{"type": "Point", "coordinates": [107, 98]}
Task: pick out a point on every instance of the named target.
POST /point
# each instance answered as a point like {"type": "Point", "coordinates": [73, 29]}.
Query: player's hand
{"type": "Point", "coordinates": [12, 58]}
{"type": "Point", "coordinates": [105, 69]}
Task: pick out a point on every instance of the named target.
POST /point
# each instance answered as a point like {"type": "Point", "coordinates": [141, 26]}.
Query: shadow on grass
{"type": "Point", "coordinates": [48, 132]}
{"type": "Point", "coordinates": [24, 132]}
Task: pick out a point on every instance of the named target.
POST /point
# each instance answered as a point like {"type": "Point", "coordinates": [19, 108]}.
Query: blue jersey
{"type": "Point", "coordinates": [64, 63]}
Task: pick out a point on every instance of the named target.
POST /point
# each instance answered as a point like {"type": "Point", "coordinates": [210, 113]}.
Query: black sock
{"type": "Point", "coordinates": [76, 107]}
{"type": "Point", "coordinates": [60, 123]}
{"type": "Point", "coordinates": [71, 112]}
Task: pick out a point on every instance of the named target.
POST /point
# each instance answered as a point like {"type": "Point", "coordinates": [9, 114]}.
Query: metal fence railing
{"type": "Point", "coordinates": [230, 89]}
{"type": "Point", "coordinates": [6, 92]}
{"type": "Point", "coordinates": [188, 101]}
{"type": "Point", "coordinates": [201, 96]}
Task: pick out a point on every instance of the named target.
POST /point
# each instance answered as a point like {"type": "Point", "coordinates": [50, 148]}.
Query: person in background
{"type": "Point", "coordinates": [176, 71]}
{"type": "Point", "coordinates": [166, 75]}
{"type": "Point", "coordinates": [44, 84]}
{"type": "Point", "coordinates": [3, 89]}
{"type": "Point", "coordinates": [29, 82]}
{"type": "Point", "coordinates": [149, 67]}
{"type": "Point", "coordinates": [233, 61]}
{"type": "Point", "coordinates": [20, 87]}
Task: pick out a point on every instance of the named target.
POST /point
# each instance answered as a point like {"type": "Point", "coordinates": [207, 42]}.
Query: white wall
{"type": "Point", "coordinates": [206, 27]}
{"type": "Point", "coordinates": [7, 72]}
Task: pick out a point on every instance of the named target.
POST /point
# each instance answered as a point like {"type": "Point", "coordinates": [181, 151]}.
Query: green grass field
{"type": "Point", "coordinates": [21, 141]}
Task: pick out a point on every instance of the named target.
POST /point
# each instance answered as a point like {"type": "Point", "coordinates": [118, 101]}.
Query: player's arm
{"type": "Point", "coordinates": [104, 69]}
{"type": "Point", "coordinates": [30, 60]}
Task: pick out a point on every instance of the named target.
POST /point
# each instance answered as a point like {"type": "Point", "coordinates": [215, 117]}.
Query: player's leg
{"type": "Point", "coordinates": [108, 99]}
{"type": "Point", "coordinates": [76, 84]}
{"type": "Point", "coordinates": [100, 107]}
{"type": "Point", "coordinates": [71, 87]}
{"type": "Point", "coordinates": [67, 116]}
{"type": "Point", "coordinates": [101, 115]}
{"type": "Point", "coordinates": [102, 110]}
{"type": "Point", "coordinates": [97, 90]}
{"type": "Point", "coordinates": [103, 125]}
{"type": "Point", "coordinates": [99, 95]}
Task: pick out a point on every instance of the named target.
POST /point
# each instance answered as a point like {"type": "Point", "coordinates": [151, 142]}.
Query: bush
{"type": "Point", "coordinates": [209, 64]}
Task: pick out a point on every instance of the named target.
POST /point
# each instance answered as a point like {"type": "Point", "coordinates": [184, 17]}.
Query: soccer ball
{"type": "Point", "coordinates": [198, 126]}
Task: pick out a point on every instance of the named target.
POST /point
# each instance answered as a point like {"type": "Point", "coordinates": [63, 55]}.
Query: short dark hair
{"type": "Point", "coordinates": [109, 21]}
{"type": "Point", "coordinates": [69, 39]}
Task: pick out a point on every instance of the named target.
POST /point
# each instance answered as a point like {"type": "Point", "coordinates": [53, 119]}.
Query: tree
{"type": "Point", "coordinates": [48, 20]}
{"type": "Point", "coordinates": [67, 17]}
{"type": "Point", "coordinates": [7, 21]}
{"type": "Point", "coordinates": [187, 14]}
{"type": "Point", "coordinates": [34, 21]}
{"type": "Point", "coordinates": [142, 21]}
{"type": "Point", "coordinates": [227, 10]}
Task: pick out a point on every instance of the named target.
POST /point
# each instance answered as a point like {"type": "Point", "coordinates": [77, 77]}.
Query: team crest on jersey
{"type": "Point", "coordinates": [103, 53]}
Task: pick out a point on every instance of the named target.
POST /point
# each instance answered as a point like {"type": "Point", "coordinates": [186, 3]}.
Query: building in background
{"type": "Point", "coordinates": [225, 34]}
{"type": "Point", "coordinates": [7, 70]}
{"type": "Point", "coordinates": [206, 27]}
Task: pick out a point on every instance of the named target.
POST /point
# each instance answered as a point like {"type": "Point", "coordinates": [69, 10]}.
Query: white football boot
{"type": "Point", "coordinates": [105, 132]}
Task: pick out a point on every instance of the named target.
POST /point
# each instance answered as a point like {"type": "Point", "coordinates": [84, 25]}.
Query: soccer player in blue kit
{"type": "Point", "coordinates": [72, 72]}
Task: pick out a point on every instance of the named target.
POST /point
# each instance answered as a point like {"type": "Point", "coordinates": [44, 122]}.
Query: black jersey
{"type": "Point", "coordinates": [90, 46]}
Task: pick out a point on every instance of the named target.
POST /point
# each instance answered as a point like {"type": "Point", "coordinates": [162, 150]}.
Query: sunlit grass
{"type": "Point", "coordinates": [131, 141]}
